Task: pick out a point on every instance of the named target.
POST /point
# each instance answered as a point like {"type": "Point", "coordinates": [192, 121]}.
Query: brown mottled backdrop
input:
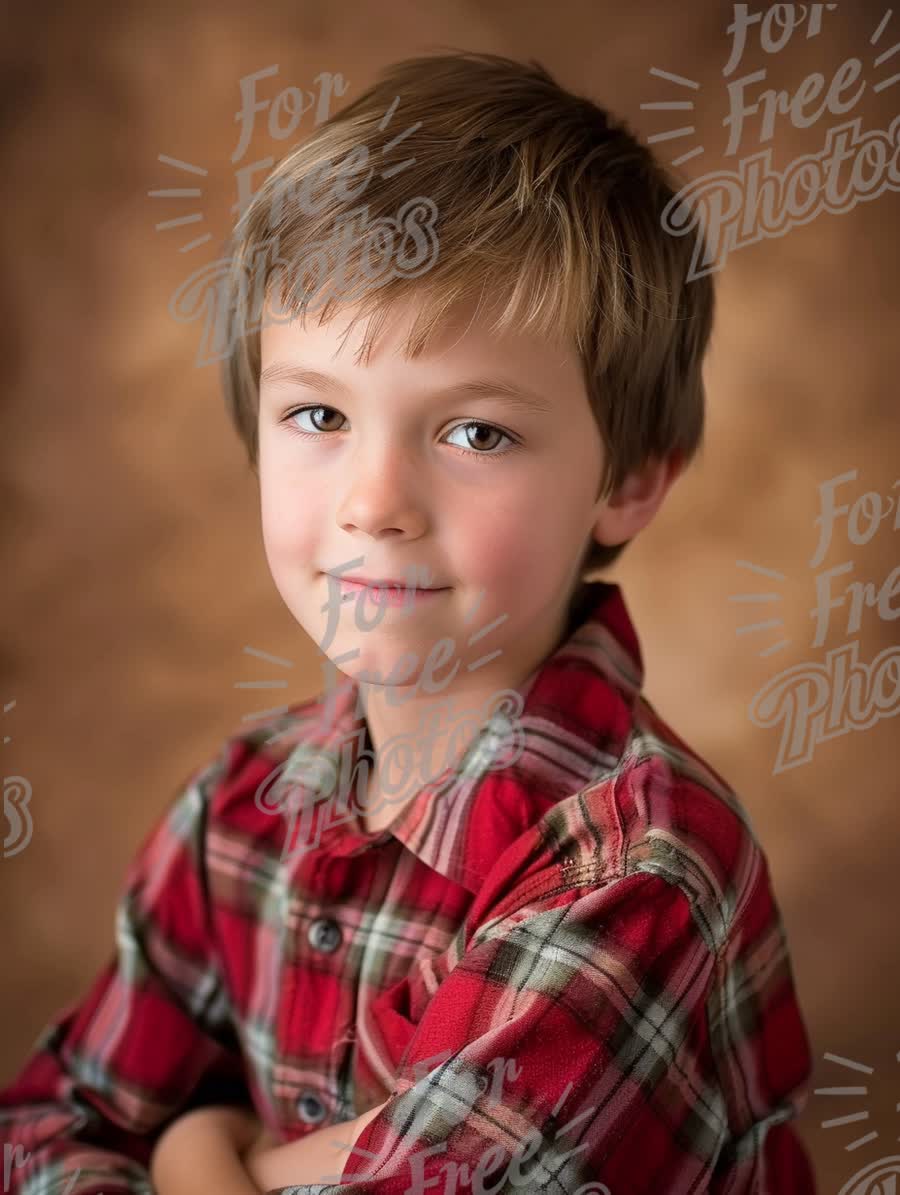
{"type": "Point", "coordinates": [133, 573]}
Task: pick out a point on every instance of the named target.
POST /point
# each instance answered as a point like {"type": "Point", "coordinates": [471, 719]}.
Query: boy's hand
{"type": "Point", "coordinates": [238, 1157]}
{"type": "Point", "coordinates": [228, 1131]}
{"type": "Point", "coordinates": [307, 1159]}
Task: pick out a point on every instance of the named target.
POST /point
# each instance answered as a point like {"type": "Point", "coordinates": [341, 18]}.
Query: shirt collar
{"type": "Point", "coordinates": [564, 726]}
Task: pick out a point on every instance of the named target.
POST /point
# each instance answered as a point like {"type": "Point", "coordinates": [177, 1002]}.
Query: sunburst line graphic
{"type": "Point", "coordinates": [389, 115]}
{"type": "Point", "coordinates": [181, 165]}
{"type": "Point", "coordinates": [264, 684]}
{"type": "Point", "coordinates": [396, 141]}
{"type": "Point", "coordinates": [852, 1117]}
{"type": "Point", "coordinates": [471, 614]}
{"type": "Point", "coordinates": [850, 1064]}
{"type": "Point", "coordinates": [887, 53]}
{"type": "Point", "coordinates": [482, 660]}
{"type": "Point", "coordinates": [182, 193]}
{"type": "Point", "coordinates": [767, 624]}
{"type": "Point", "coordinates": [674, 105]}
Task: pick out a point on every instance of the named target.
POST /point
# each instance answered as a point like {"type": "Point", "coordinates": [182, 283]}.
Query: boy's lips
{"type": "Point", "coordinates": [385, 583]}
{"type": "Point", "coordinates": [380, 583]}
{"type": "Point", "coordinates": [387, 593]}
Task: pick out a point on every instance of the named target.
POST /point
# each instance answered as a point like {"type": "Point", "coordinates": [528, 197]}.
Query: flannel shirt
{"type": "Point", "coordinates": [566, 972]}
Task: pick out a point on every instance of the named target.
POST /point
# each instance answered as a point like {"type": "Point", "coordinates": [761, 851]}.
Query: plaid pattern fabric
{"type": "Point", "coordinates": [566, 972]}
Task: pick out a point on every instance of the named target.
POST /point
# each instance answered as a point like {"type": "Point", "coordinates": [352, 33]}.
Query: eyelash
{"type": "Point", "coordinates": [296, 431]}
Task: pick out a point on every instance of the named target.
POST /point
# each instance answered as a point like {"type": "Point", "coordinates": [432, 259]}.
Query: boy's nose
{"type": "Point", "coordinates": [382, 499]}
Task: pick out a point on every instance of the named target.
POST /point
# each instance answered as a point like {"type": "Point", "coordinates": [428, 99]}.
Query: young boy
{"type": "Point", "coordinates": [476, 918]}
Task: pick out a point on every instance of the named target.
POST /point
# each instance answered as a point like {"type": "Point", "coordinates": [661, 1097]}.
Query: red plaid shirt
{"type": "Point", "coordinates": [570, 966]}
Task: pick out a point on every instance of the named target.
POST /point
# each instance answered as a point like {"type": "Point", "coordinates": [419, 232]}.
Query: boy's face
{"type": "Point", "coordinates": [387, 471]}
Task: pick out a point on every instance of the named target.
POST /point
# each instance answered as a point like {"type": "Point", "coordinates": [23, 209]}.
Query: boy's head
{"type": "Point", "coordinates": [546, 267]}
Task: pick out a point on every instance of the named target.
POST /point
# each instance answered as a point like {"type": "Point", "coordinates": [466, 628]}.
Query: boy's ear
{"type": "Point", "coordinates": [626, 512]}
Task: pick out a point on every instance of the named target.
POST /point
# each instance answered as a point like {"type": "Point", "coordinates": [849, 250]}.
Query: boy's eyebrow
{"type": "Point", "coordinates": [284, 373]}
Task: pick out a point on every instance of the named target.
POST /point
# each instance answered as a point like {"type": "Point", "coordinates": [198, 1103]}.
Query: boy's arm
{"type": "Point", "coordinates": [603, 1039]}
{"type": "Point", "coordinates": [152, 1037]}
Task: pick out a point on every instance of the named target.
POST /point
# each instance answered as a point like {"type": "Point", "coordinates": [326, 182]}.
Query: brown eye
{"type": "Point", "coordinates": [479, 438]}
{"type": "Point", "coordinates": [314, 413]}
{"type": "Point", "coordinates": [478, 433]}
{"type": "Point", "coordinates": [330, 414]}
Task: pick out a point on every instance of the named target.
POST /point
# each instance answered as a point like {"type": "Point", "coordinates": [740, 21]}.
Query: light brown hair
{"type": "Point", "coordinates": [548, 208]}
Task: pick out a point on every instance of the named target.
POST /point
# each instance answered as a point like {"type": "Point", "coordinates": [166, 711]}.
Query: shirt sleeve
{"type": "Point", "coordinates": [152, 1037]}
{"type": "Point", "coordinates": [570, 1051]}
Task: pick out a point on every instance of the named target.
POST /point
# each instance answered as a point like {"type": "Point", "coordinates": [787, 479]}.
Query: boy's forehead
{"type": "Point", "coordinates": [462, 335]}
{"type": "Point", "coordinates": [457, 321]}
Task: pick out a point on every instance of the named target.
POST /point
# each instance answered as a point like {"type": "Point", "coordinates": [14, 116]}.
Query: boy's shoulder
{"type": "Point", "coordinates": [664, 811]}
{"type": "Point", "coordinates": [613, 792]}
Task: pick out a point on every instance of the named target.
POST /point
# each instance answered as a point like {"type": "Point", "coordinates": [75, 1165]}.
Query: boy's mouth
{"type": "Point", "coordinates": [384, 583]}
{"type": "Point", "coordinates": [385, 591]}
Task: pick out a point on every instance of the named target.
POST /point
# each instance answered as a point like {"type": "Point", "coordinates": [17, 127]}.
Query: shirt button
{"type": "Point", "coordinates": [325, 935]}
{"type": "Point", "coordinates": [311, 1108]}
